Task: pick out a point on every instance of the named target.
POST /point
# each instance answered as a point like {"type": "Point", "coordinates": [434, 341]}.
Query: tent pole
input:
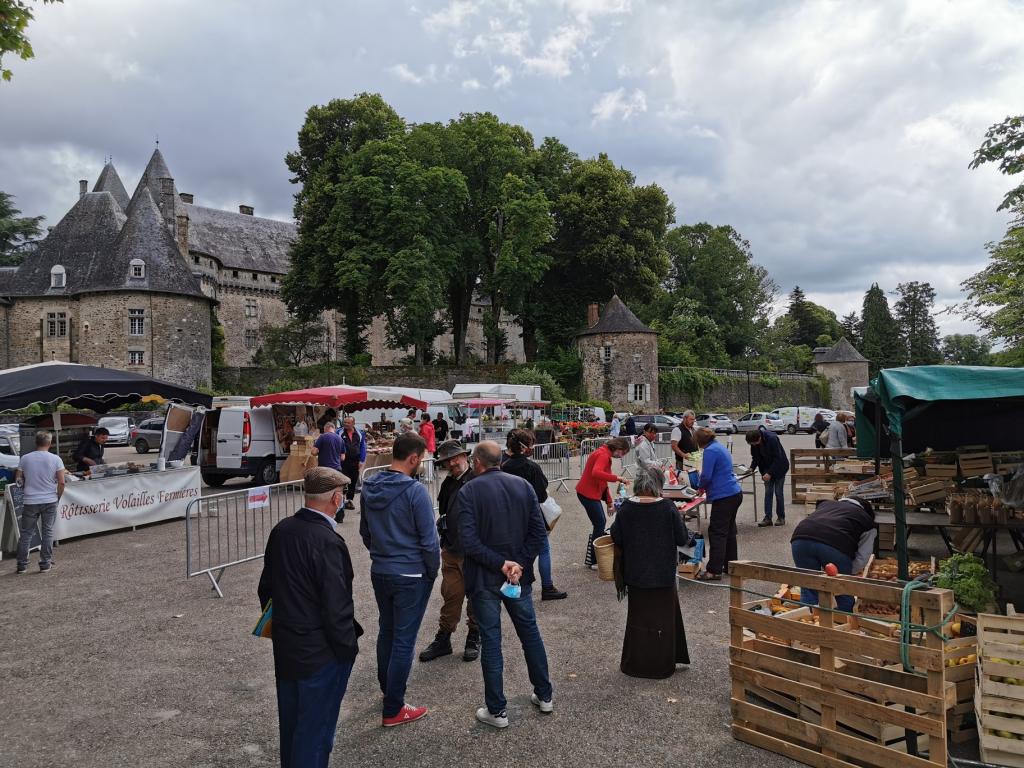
{"type": "Point", "coordinates": [878, 438]}
{"type": "Point", "coordinates": [899, 508]}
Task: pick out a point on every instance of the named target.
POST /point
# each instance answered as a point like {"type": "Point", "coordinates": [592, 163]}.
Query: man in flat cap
{"type": "Point", "coordinates": [307, 572]}
{"type": "Point", "coordinates": [452, 456]}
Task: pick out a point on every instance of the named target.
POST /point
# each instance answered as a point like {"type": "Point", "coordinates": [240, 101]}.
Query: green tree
{"type": "Point", "coordinates": [337, 261]}
{"type": "Point", "coordinates": [713, 266]}
{"type": "Point", "coordinates": [298, 342]}
{"type": "Point", "coordinates": [549, 388]}
{"type": "Point", "coordinates": [919, 335]}
{"type": "Point", "coordinates": [16, 231]}
{"type": "Point", "coordinates": [776, 350]}
{"type": "Point", "coordinates": [850, 323]}
{"type": "Point", "coordinates": [966, 349]}
{"type": "Point", "coordinates": [1004, 144]}
{"type": "Point", "coordinates": [14, 18]}
{"type": "Point", "coordinates": [810, 320]}
{"type": "Point", "coordinates": [690, 337]}
{"type": "Point", "coordinates": [996, 293]}
{"type": "Point", "coordinates": [879, 332]}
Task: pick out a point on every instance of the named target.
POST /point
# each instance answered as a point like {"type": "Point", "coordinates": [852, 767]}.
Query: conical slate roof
{"type": "Point", "coordinates": [841, 352]}
{"type": "Point", "coordinates": [156, 169]}
{"type": "Point", "coordinates": [144, 237]}
{"type": "Point", "coordinates": [86, 232]}
{"type": "Point", "coordinates": [110, 182]}
{"type": "Point", "coordinates": [616, 318]}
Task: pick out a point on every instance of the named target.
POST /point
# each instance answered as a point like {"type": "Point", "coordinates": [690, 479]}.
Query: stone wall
{"type": "Point", "coordinates": [633, 361]}
{"type": "Point", "coordinates": [729, 394]}
{"type": "Point", "coordinates": [444, 344]}
{"type": "Point", "coordinates": [842, 377]}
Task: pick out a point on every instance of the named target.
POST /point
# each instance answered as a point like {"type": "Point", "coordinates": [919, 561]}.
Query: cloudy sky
{"type": "Point", "coordinates": [834, 136]}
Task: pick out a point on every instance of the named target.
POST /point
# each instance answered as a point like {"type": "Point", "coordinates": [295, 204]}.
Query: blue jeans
{"type": "Point", "coordinates": [544, 564]}
{"type": "Point", "coordinates": [401, 601]}
{"type": "Point", "coordinates": [815, 556]}
{"type": "Point", "coordinates": [595, 511]}
{"type": "Point", "coordinates": [307, 713]}
{"type": "Point", "coordinates": [487, 609]}
{"type": "Point", "coordinates": [31, 513]}
{"type": "Point", "coordinates": [775, 487]}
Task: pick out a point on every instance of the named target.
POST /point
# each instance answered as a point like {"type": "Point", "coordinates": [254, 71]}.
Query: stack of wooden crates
{"type": "Point", "coordinates": [999, 698]}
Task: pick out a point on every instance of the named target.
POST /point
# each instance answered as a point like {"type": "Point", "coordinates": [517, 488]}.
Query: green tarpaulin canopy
{"type": "Point", "coordinates": [941, 407]}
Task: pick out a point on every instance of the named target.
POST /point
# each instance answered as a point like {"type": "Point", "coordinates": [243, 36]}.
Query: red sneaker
{"type": "Point", "coordinates": [405, 715]}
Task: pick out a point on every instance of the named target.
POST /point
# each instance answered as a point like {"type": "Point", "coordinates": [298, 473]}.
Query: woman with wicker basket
{"type": "Point", "coordinates": [646, 532]}
{"type": "Point", "coordinates": [592, 489]}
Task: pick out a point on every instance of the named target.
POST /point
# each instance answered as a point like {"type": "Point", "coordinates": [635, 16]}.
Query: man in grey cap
{"type": "Point", "coordinates": [307, 572]}
{"type": "Point", "coordinates": [454, 457]}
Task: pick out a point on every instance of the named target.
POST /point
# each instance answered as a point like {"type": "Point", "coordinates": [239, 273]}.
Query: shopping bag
{"type": "Point", "coordinates": [264, 626]}
{"type": "Point", "coordinates": [551, 512]}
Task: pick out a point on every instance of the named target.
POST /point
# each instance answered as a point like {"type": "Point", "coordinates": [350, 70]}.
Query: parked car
{"type": "Point", "coordinates": [148, 435]}
{"type": "Point", "coordinates": [800, 418]}
{"type": "Point", "coordinates": [719, 422]}
{"type": "Point", "coordinates": [119, 427]}
{"type": "Point", "coordinates": [662, 423]}
{"type": "Point", "coordinates": [752, 421]}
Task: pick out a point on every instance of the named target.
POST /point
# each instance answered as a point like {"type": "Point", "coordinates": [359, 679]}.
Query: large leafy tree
{"type": "Point", "coordinates": [918, 332]}
{"type": "Point", "coordinates": [850, 323]}
{"type": "Point", "coordinates": [298, 342]}
{"type": "Point", "coordinates": [1004, 145]}
{"type": "Point", "coordinates": [879, 332]}
{"type": "Point", "coordinates": [810, 320]}
{"type": "Point", "coordinates": [966, 349]}
{"type": "Point", "coordinates": [338, 260]}
{"type": "Point", "coordinates": [16, 231]}
{"type": "Point", "coordinates": [14, 18]}
{"type": "Point", "coordinates": [996, 293]}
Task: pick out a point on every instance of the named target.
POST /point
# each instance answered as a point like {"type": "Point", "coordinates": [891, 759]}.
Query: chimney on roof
{"type": "Point", "coordinates": [186, 197]}
{"type": "Point", "coordinates": [592, 315]}
{"type": "Point", "coordinates": [166, 203]}
{"type": "Point", "coordinates": [83, 187]}
{"type": "Point", "coordinates": [182, 234]}
{"type": "Point", "coordinates": [246, 210]}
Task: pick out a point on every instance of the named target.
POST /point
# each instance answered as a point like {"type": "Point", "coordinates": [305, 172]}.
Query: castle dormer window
{"type": "Point", "coordinates": [137, 268]}
{"type": "Point", "coordinates": [58, 278]}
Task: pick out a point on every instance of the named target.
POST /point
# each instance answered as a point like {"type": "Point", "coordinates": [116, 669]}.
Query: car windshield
{"type": "Point", "coordinates": [113, 422]}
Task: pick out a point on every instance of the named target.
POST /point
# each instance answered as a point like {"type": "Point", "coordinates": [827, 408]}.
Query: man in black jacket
{"type": "Point", "coordinates": [454, 458]}
{"type": "Point", "coordinates": [307, 573]}
{"type": "Point", "coordinates": [768, 455]}
{"type": "Point", "coordinates": [501, 529]}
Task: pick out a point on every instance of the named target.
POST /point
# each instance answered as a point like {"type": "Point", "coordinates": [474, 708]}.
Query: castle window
{"type": "Point", "coordinates": [252, 308]}
{"type": "Point", "coordinates": [136, 357]}
{"type": "Point", "coordinates": [136, 322]}
{"type": "Point", "coordinates": [255, 276]}
{"type": "Point", "coordinates": [273, 278]}
{"type": "Point", "coordinates": [251, 339]}
{"type": "Point", "coordinates": [137, 268]}
{"type": "Point", "coordinates": [56, 324]}
{"type": "Point", "coordinates": [234, 273]}
{"type": "Point", "coordinates": [639, 393]}
{"type": "Point", "coordinates": [195, 260]}
{"type": "Point", "coordinates": [58, 278]}
{"type": "Point", "coordinates": [606, 353]}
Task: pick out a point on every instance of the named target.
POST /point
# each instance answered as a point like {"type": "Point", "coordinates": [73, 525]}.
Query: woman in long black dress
{"type": "Point", "coordinates": [647, 530]}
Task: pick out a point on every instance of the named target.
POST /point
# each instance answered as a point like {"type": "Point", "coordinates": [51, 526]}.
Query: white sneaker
{"type": "Point", "coordinates": [495, 721]}
{"type": "Point", "coordinates": [547, 707]}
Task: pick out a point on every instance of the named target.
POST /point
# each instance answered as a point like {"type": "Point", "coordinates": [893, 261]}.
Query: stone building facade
{"type": "Point", "coordinates": [845, 368]}
{"type": "Point", "coordinates": [620, 358]}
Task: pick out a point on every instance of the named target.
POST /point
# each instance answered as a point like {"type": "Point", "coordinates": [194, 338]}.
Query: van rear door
{"type": "Point", "coordinates": [175, 423]}
{"type": "Point", "coordinates": [230, 436]}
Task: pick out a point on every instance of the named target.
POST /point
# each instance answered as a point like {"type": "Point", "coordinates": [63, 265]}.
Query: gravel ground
{"type": "Point", "coordinates": [115, 659]}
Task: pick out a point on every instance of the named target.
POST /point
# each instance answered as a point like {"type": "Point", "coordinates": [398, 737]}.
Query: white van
{"type": "Point", "coordinates": [234, 441]}
{"type": "Point", "coordinates": [438, 400]}
{"type": "Point", "coordinates": [796, 418]}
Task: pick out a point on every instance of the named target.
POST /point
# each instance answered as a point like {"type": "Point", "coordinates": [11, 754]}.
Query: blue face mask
{"type": "Point", "coordinates": [511, 591]}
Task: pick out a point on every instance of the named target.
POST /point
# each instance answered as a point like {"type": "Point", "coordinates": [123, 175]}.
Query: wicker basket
{"type": "Point", "coordinates": [604, 550]}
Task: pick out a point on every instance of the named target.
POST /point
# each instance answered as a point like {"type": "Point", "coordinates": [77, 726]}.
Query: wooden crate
{"type": "Point", "coordinates": [832, 694]}
{"type": "Point", "coordinates": [974, 461]}
{"type": "Point", "coordinates": [887, 536]}
{"type": "Point", "coordinates": [999, 705]}
{"type": "Point", "coordinates": [816, 466]}
{"type": "Point", "coordinates": [944, 471]}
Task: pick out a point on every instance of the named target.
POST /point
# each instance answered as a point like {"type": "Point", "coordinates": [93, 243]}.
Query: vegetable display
{"type": "Point", "coordinates": [970, 581]}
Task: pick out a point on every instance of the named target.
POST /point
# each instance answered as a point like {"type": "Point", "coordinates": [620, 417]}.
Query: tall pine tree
{"type": "Point", "coordinates": [918, 332]}
{"type": "Point", "coordinates": [879, 332]}
{"type": "Point", "coordinates": [851, 328]}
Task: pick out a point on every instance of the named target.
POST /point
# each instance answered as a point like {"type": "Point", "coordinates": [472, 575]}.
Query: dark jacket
{"type": "Point", "coordinates": [530, 471]}
{"type": "Point", "coordinates": [354, 446]}
{"type": "Point", "coordinates": [447, 523]}
{"type": "Point", "coordinates": [308, 573]}
{"type": "Point", "coordinates": [499, 520]}
{"type": "Point", "coordinates": [397, 525]}
{"type": "Point", "coordinates": [839, 524]}
{"type": "Point", "coordinates": [88, 449]}
{"type": "Point", "coordinates": [769, 456]}
{"type": "Point", "coordinates": [648, 535]}
{"type": "Point", "coordinates": [629, 426]}
{"type": "Point", "coordinates": [440, 430]}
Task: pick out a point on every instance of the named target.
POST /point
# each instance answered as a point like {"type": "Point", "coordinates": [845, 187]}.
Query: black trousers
{"type": "Point", "coordinates": [722, 533]}
{"type": "Point", "coordinates": [350, 469]}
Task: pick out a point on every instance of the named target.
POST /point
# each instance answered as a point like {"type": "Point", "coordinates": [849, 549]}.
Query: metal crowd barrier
{"type": "Point", "coordinates": [553, 458]}
{"type": "Point", "coordinates": [231, 528]}
{"type": "Point", "coordinates": [587, 446]}
{"type": "Point", "coordinates": [430, 476]}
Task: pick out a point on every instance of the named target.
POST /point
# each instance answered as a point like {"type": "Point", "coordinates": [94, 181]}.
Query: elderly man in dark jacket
{"type": "Point", "coordinates": [502, 531]}
{"type": "Point", "coordinates": [308, 574]}
{"type": "Point", "coordinates": [768, 455]}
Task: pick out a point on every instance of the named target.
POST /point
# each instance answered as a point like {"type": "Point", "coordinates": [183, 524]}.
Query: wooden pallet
{"type": "Point", "coordinates": [999, 706]}
{"type": "Point", "coordinates": [842, 687]}
{"type": "Point", "coordinates": [816, 466]}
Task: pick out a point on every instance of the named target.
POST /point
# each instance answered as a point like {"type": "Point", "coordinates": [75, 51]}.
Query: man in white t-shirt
{"type": "Point", "coordinates": [41, 475]}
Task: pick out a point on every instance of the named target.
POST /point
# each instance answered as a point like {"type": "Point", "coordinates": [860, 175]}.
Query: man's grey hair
{"type": "Point", "coordinates": [689, 413]}
{"type": "Point", "coordinates": [488, 453]}
{"type": "Point", "coordinates": [43, 438]}
{"type": "Point", "coordinates": [648, 481]}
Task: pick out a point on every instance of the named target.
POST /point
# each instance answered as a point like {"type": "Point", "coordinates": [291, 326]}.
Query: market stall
{"type": "Point", "coordinates": [109, 496]}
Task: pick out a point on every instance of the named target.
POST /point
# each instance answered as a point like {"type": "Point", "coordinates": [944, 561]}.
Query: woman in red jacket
{"type": "Point", "coordinates": [592, 489]}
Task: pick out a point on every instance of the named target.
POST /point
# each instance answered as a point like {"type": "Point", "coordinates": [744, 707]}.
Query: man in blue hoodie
{"type": "Point", "coordinates": [397, 527]}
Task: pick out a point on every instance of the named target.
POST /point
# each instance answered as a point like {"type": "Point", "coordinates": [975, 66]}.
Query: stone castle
{"type": "Point", "coordinates": [137, 282]}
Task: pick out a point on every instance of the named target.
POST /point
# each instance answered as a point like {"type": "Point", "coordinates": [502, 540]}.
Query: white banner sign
{"type": "Point", "coordinates": [259, 497]}
{"type": "Point", "coordinates": [93, 506]}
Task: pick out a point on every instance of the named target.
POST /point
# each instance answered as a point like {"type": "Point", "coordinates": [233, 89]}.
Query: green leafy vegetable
{"type": "Point", "coordinates": [970, 581]}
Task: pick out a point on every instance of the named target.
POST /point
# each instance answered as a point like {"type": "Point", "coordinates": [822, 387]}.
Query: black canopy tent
{"type": "Point", "coordinates": [86, 386]}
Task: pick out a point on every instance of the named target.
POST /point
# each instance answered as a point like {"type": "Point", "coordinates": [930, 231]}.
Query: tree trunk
{"type": "Point", "coordinates": [420, 355]}
{"type": "Point", "coordinates": [494, 341]}
{"type": "Point", "coordinates": [354, 342]}
{"type": "Point", "coordinates": [529, 338]}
